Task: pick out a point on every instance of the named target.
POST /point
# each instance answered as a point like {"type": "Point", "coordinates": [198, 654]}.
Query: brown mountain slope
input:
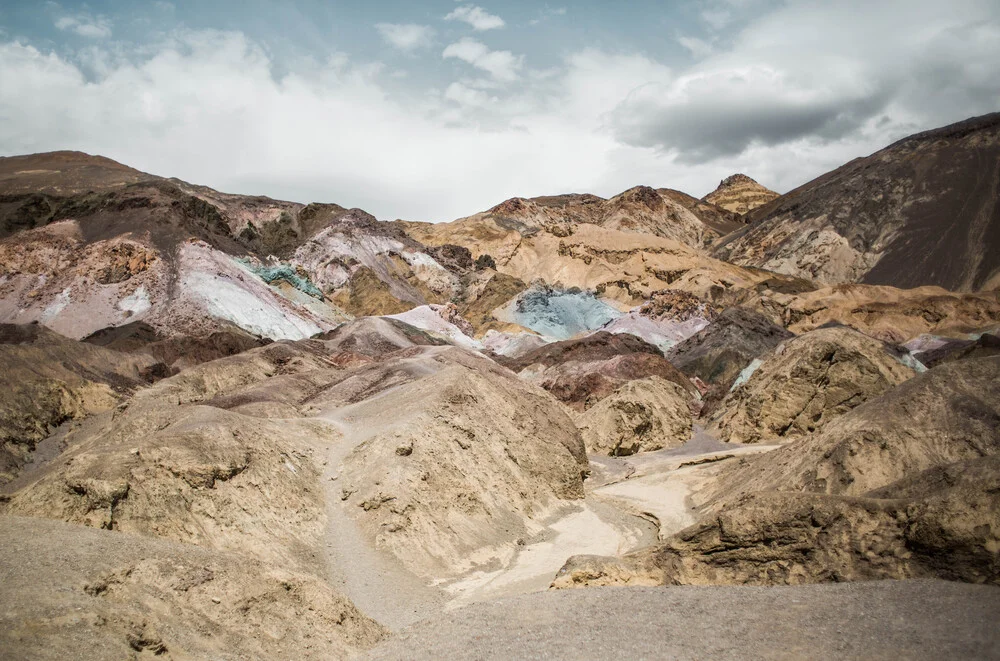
{"type": "Point", "coordinates": [922, 211]}
{"type": "Point", "coordinates": [740, 194]}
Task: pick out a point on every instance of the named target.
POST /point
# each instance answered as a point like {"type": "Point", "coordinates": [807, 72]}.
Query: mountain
{"type": "Point", "coordinates": [739, 194]}
{"type": "Point", "coordinates": [922, 211]}
{"type": "Point", "coordinates": [87, 243]}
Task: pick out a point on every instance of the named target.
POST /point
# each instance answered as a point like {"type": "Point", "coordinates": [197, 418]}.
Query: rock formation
{"type": "Point", "coordinates": [640, 416]}
{"type": "Point", "coordinates": [720, 351]}
{"type": "Point", "coordinates": [582, 372]}
{"type": "Point", "coordinates": [133, 596]}
{"type": "Point", "coordinates": [740, 194]}
{"type": "Point", "coordinates": [48, 379]}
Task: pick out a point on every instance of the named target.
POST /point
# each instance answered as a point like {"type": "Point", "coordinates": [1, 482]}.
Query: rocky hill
{"type": "Point", "coordinates": [740, 194]}
{"type": "Point", "coordinates": [922, 211]}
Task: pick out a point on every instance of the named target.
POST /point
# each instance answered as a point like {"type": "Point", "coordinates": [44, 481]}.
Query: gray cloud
{"type": "Point", "coordinates": [817, 72]}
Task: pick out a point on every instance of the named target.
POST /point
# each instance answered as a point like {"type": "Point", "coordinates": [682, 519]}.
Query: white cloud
{"type": "Point", "coordinates": [501, 64]}
{"type": "Point", "coordinates": [717, 18]}
{"type": "Point", "coordinates": [477, 17]}
{"type": "Point", "coordinates": [85, 26]}
{"type": "Point", "coordinates": [697, 47]}
{"type": "Point", "coordinates": [407, 37]}
{"type": "Point", "coordinates": [468, 96]}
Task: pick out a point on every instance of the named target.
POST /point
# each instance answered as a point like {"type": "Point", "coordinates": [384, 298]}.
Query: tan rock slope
{"type": "Point", "coordinates": [47, 379]}
{"type": "Point", "coordinates": [805, 382]}
{"type": "Point", "coordinates": [740, 194]}
{"type": "Point", "coordinates": [888, 313]}
{"type": "Point", "coordinates": [620, 265]}
{"type": "Point", "coordinates": [922, 211]}
{"type": "Point", "coordinates": [134, 597]}
{"type": "Point", "coordinates": [640, 416]}
{"type": "Point", "coordinates": [903, 486]}
{"type": "Point", "coordinates": [664, 213]}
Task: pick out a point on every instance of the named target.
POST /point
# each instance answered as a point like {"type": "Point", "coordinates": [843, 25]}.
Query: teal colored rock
{"type": "Point", "coordinates": [272, 274]}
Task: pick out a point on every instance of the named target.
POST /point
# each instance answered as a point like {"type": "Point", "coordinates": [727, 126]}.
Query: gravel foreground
{"type": "Point", "coordinates": [919, 619]}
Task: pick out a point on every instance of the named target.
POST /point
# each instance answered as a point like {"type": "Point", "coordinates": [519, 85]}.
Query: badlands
{"type": "Point", "coordinates": [649, 426]}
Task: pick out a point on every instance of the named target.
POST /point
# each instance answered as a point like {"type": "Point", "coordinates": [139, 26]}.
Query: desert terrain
{"type": "Point", "coordinates": [751, 425]}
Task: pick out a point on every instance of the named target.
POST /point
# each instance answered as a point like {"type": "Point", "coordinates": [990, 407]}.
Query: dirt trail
{"type": "Point", "coordinates": [374, 580]}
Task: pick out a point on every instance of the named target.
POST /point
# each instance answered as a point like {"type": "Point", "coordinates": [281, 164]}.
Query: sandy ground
{"type": "Point", "coordinates": [887, 620]}
{"type": "Point", "coordinates": [594, 527]}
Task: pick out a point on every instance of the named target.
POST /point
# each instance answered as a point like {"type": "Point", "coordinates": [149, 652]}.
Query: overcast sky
{"type": "Point", "coordinates": [435, 109]}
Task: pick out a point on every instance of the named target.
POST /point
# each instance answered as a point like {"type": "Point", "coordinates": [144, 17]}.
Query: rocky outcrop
{"type": "Point", "coordinates": [904, 486]}
{"type": "Point", "coordinates": [640, 416]}
{"type": "Point", "coordinates": [804, 383]}
{"type": "Point", "coordinates": [922, 211]}
{"type": "Point", "coordinates": [582, 372]}
{"type": "Point", "coordinates": [624, 266]}
{"type": "Point", "coordinates": [740, 194]}
{"type": "Point", "coordinates": [453, 466]}
{"type": "Point", "coordinates": [984, 346]}
{"type": "Point", "coordinates": [175, 352]}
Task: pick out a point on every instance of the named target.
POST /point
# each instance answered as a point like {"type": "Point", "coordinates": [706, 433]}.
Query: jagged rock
{"type": "Point", "coordinates": [48, 379]}
{"type": "Point", "coordinates": [640, 416]}
{"type": "Point", "coordinates": [207, 603]}
{"type": "Point", "coordinates": [805, 382]}
{"type": "Point", "coordinates": [488, 454]}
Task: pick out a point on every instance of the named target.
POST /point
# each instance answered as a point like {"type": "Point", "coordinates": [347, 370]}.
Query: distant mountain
{"type": "Point", "coordinates": [740, 194]}
{"type": "Point", "coordinates": [922, 211]}
{"type": "Point", "coordinates": [665, 213]}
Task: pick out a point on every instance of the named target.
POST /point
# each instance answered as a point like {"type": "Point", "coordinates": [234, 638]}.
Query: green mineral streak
{"type": "Point", "coordinates": [271, 274]}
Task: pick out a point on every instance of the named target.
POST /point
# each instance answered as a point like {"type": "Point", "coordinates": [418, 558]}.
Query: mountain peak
{"type": "Point", "coordinates": [740, 193]}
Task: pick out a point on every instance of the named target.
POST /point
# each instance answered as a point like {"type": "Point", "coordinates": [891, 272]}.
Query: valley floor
{"type": "Point", "coordinates": [920, 619]}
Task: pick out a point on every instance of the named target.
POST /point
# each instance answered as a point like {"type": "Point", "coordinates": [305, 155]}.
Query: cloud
{"type": "Point", "coordinates": [407, 37]}
{"type": "Point", "coordinates": [502, 65]}
{"type": "Point", "coordinates": [477, 17]}
{"type": "Point", "coordinates": [468, 96]}
{"type": "Point", "coordinates": [817, 72]}
{"type": "Point", "coordinates": [697, 47]}
{"type": "Point", "coordinates": [85, 26]}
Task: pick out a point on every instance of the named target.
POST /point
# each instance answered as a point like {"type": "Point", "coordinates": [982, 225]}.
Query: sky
{"type": "Point", "coordinates": [435, 109]}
